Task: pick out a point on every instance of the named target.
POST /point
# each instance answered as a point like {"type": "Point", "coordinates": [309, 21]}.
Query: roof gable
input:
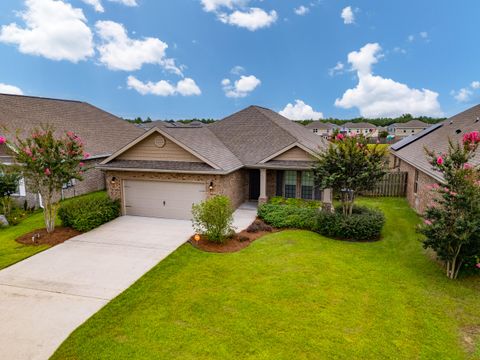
{"type": "Point", "coordinates": [144, 148]}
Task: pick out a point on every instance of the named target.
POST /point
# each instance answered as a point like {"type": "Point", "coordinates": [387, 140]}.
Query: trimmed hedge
{"type": "Point", "coordinates": [365, 224]}
{"type": "Point", "coordinates": [88, 212]}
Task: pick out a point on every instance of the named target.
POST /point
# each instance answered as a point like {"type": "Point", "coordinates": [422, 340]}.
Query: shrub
{"type": "Point", "coordinates": [258, 226]}
{"type": "Point", "coordinates": [364, 224]}
{"type": "Point", "coordinates": [16, 216]}
{"type": "Point", "coordinates": [88, 212]}
{"type": "Point", "coordinates": [288, 216]}
{"type": "Point", "coordinates": [213, 218]}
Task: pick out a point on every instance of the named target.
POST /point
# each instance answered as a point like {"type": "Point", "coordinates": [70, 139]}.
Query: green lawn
{"type": "Point", "coordinates": [291, 295]}
{"type": "Point", "coordinates": [11, 251]}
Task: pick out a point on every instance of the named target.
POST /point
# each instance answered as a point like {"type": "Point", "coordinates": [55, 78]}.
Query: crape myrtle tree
{"type": "Point", "coordinates": [48, 162]}
{"type": "Point", "coordinates": [452, 222]}
{"type": "Point", "coordinates": [350, 165]}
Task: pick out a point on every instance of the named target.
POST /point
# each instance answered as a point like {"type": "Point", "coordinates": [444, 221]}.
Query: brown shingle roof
{"type": "Point", "coordinates": [437, 140]}
{"type": "Point", "coordinates": [321, 125]}
{"type": "Point", "coordinates": [102, 132]}
{"type": "Point", "coordinates": [255, 133]}
{"type": "Point", "coordinates": [359, 125]}
{"type": "Point", "coordinates": [415, 124]}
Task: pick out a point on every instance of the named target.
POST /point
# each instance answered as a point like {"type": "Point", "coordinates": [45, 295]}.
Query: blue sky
{"type": "Point", "coordinates": [391, 57]}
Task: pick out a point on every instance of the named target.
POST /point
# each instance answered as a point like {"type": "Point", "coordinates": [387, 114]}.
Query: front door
{"type": "Point", "coordinates": [254, 184]}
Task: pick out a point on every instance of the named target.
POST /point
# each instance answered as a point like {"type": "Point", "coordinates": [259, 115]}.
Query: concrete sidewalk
{"type": "Point", "coordinates": [45, 297]}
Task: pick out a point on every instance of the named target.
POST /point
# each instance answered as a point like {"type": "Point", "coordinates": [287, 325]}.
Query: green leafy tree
{"type": "Point", "coordinates": [383, 134]}
{"type": "Point", "coordinates": [48, 162]}
{"type": "Point", "coordinates": [350, 166]}
{"type": "Point", "coordinates": [452, 224]}
{"type": "Point", "coordinates": [8, 185]}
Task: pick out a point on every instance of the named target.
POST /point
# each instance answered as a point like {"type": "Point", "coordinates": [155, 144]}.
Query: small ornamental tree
{"type": "Point", "coordinates": [452, 223]}
{"type": "Point", "coordinates": [47, 163]}
{"type": "Point", "coordinates": [350, 165]}
{"type": "Point", "coordinates": [8, 186]}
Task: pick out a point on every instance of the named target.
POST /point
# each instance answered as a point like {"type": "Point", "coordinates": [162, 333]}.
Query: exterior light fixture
{"type": "Point", "coordinates": [210, 187]}
{"type": "Point", "coordinates": [114, 180]}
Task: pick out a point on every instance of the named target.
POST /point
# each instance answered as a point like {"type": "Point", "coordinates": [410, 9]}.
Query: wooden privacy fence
{"type": "Point", "coordinates": [392, 184]}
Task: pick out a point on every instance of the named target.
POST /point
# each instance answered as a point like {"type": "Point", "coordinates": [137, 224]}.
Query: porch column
{"type": "Point", "coordinates": [263, 186]}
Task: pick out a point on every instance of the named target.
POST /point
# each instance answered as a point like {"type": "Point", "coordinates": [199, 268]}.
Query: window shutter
{"type": "Point", "coordinates": [21, 187]}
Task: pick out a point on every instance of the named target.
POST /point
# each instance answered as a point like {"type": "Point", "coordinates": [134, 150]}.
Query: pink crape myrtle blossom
{"type": "Point", "coordinates": [440, 160]}
{"type": "Point", "coordinates": [478, 265]}
{"type": "Point", "coordinates": [467, 166]}
{"type": "Point", "coordinates": [86, 155]}
{"type": "Point", "coordinates": [427, 222]}
{"type": "Point", "coordinates": [48, 172]}
{"type": "Point", "coordinates": [2, 140]}
{"type": "Point", "coordinates": [339, 137]}
{"type": "Point", "coordinates": [471, 138]}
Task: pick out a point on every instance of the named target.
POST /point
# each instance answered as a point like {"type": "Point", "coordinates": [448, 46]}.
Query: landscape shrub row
{"type": "Point", "coordinates": [365, 224]}
{"type": "Point", "coordinates": [88, 212]}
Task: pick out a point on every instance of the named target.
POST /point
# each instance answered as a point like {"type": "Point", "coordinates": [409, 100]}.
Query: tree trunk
{"type": "Point", "coordinates": [49, 212]}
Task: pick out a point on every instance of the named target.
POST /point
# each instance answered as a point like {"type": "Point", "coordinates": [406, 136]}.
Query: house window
{"type": "Point", "coordinates": [415, 183]}
{"type": "Point", "coordinates": [307, 185]}
{"type": "Point", "coordinates": [290, 184]}
{"type": "Point", "coordinates": [21, 188]}
{"type": "Point", "coordinates": [69, 184]}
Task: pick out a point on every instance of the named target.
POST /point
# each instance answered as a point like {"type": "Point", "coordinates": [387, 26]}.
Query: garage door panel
{"type": "Point", "coordinates": [162, 199]}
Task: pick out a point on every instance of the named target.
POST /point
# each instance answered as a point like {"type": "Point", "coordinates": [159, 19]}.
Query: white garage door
{"type": "Point", "coordinates": [162, 199]}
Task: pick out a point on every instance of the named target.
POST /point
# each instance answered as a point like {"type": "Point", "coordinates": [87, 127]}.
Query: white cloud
{"type": "Point", "coordinates": [119, 52]}
{"type": "Point", "coordinates": [251, 19]}
{"type": "Point", "coordinates": [185, 87]}
{"type": "Point", "coordinates": [347, 15]}
{"type": "Point", "coordinates": [97, 5]}
{"type": "Point", "coordinates": [466, 94]}
{"type": "Point", "coordinates": [301, 10]}
{"type": "Point", "coordinates": [10, 89]}
{"type": "Point", "coordinates": [399, 50]}
{"type": "Point", "coordinates": [237, 70]}
{"type": "Point", "coordinates": [337, 69]}
{"type": "Point", "coordinates": [424, 35]}
{"type": "Point", "coordinates": [376, 96]}
{"type": "Point", "coordinates": [300, 111]}
{"type": "Point", "coordinates": [411, 38]}
{"type": "Point", "coordinates": [214, 5]}
{"type": "Point", "coordinates": [462, 95]}
{"type": "Point", "coordinates": [241, 87]}
{"type": "Point", "coordinates": [53, 29]}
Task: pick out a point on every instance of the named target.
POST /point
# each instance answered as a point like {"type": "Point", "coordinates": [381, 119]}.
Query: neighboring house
{"type": "Point", "coordinates": [411, 127]}
{"type": "Point", "coordinates": [322, 129]}
{"type": "Point", "coordinates": [409, 154]}
{"type": "Point", "coordinates": [251, 155]}
{"type": "Point", "coordinates": [367, 129]}
{"type": "Point", "coordinates": [102, 133]}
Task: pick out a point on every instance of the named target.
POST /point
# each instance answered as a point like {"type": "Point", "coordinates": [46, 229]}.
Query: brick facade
{"type": "Point", "coordinates": [234, 185]}
{"type": "Point", "coordinates": [419, 197]}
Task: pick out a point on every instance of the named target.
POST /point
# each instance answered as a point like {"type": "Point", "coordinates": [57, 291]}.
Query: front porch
{"type": "Point", "coordinates": [264, 183]}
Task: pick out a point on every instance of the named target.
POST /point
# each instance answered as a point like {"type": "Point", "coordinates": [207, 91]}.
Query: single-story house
{"type": "Point", "coordinates": [409, 154]}
{"type": "Point", "coordinates": [411, 127]}
{"type": "Point", "coordinates": [367, 129]}
{"type": "Point", "coordinates": [253, 154]}
{"type": "Point", "coordinates": [323, 129]}
{"type": "Point", "coordinates": [102, 133]}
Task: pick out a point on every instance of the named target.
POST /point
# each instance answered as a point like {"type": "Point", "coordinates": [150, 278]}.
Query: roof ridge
{"type": "Point", "coordinates": [273, 120]}
{"type": "Point", "coordinates": [42, 98]}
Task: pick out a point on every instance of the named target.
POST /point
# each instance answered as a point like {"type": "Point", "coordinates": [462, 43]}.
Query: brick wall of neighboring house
{"type": "Point", "coordinates": [94, 180]}
{"type": "Point", "coordinates": [234, 185]}
{"type": "Point", "coordinates": [420, 199]}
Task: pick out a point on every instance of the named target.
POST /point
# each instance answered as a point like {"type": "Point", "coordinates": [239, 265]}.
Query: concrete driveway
{"type": "Point", "coordinates": [45, 297]}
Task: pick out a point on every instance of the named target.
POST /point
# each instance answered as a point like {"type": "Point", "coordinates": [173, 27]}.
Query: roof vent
{"type": "Point", "coordinates": [458, 131]}
{"type": "Point", "coordinates": [477, 120]}
{"type": "Point", "coordinates": [451, 122]}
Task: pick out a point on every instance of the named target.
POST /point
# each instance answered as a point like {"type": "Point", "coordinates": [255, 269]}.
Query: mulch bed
{"type": "Point", "coordinates": [236, 243]}
{"type": "Point", "coordinates": [41, 237]}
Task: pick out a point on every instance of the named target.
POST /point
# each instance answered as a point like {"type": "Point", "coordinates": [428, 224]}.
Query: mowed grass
{"type": "Point", "coordinates": [292, 295]}
{"type": "Point", "coordinates": [11, 251]}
